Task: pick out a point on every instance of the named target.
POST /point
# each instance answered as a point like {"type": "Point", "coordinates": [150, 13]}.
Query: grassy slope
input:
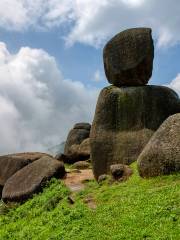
{"type": "Point", "coordinates": [136, 209]}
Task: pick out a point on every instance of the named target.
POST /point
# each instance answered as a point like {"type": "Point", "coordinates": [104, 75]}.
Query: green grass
{"type": "Point", "coordinates": [133, 210]}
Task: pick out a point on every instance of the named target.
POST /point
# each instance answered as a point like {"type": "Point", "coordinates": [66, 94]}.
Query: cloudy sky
{"type": "Point", "coordinates": [51, 68]}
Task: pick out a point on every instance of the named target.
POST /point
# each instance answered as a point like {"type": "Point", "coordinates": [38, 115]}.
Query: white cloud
{"type": "Point", "coordinates": [97, 77]}
{"type": "Point", "coordinates": [133, 3]}
{"type": "Point", "coordinates": [98, 20]}
{"type": "Point", "coordinates": [94, 21]}
{"type": "Point", "coordinates": [37, 105]}
{"type": "Point", "coordinates": [175, 84]}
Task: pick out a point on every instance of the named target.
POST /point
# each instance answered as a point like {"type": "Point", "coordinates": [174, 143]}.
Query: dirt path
{"type": "Point", "coordinates": [75, 182]}
{"type": "Point", "coordinates": [75, 179]}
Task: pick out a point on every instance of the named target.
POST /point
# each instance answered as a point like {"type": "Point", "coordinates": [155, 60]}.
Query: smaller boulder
{"type": "Point", "coordinates": [86, 126]}
{"type": "Point", "coordinates": [76, 136]}
{"type": "Point", "coordinates": [161, 156]}
{"type": "Point", "coordinates": [61, 157]}
{"type": "Point", "coordinates": [120, 172]}
{"type": "Point", "coordinates": [73, 155]}
{"type": "Point", "coordinates": [30, 179]}
{"type": "Point", "coordinates": [81, 165]}
{"type": "Point", "coordinates": [84, 148]}
{"type": "Point", "coordinates": [103, 177]}
{"type": "Point", "coordinates": [9, 166]}
{"type": "Point", "coordinates": [31, 156]}
{"type": "Point", "coordinates": [76, 153]}
{"type": "Point", "coordinates": [11, 163]}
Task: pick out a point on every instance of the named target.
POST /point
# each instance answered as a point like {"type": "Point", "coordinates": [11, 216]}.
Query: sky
{"type": "Point", "coordinates": [51, 66]}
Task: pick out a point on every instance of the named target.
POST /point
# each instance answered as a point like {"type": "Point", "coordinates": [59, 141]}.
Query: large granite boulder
{"type": "Point", "coordinates": [30, 179]}
{"type": "Point", "coordinates": [161, 156]}
{"type": "Point", "coordinates": [76, 135]}
{"type": "Point", "coordinates": [128, 57]}
{"type": "Point", "coordinates": [124, 121]}
{"type": "Point", "coordinates": [10, 164]}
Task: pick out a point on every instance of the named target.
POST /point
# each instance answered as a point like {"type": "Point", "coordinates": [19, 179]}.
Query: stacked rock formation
{"type": "Point", "coordinates": [129, 111]}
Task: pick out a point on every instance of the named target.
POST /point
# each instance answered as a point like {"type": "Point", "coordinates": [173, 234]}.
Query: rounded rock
{"type": "Point", "coordinates": [124, 121]}
{"type": "Point", "coordinates": [86, 126]}
{"type": "Point", "coordinates": [11, 163]}
{"type": "Point", "coordinates": [128, 57]}
{"type": "Point", "coordinates": [75, 137]}
{"type": "Point", "coordinates": [81, 165]}
{"type": "Point", "coordinates": [120, 172]}
{"type": "Point", "coordinates": [30, 179]}
{"type": "Point", "coordinates": [161, 156]}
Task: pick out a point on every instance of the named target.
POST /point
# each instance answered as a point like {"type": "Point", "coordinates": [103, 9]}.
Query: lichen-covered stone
{"type": "Point", "coordinates": [124, 121]}
{"type": "Point", "coordinates": [161, 156]}
{"type": "Point", "coordinates": [128, 57]}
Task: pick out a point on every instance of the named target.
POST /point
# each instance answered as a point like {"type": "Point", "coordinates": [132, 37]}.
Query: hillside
{"type": "Point", "coordinates": [136, 209]}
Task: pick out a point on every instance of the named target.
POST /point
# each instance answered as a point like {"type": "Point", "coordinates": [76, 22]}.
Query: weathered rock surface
{"type": "Point", "coordinates": [30, 179]}
{"type": "Point", "coordinates": [86, 126]}
{"type": "Point", "coordinates": [84, 148]}
{"type": "Point", "coordinates": [161, 156]}
{"type": "Point", "coordinates": [80, 132]}
{"type": "Point", "coordinates": [31, 156]}
{"type": "Point", "coordinates": [124, 121]}
{"type": "Point", "coordinates": [1, 188]}
{"type": "Point", "coordinates": [120, 172]}
{"type": "Point", "coordinates": [128, 57]}
{"type": "Point", "coordinates": [10, 164]}
{"type": "Point", "coordinates": [76, 152]}
{"type": "Point", "coordinates": [103, 177]}
{"type": "Point", "coordinates": [81, 165]}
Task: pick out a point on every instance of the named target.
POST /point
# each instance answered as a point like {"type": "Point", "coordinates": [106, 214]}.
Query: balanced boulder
{"type": "Point", "coordinates": [10, 164]}
{"type": "Point", "coordinates": [124, 121]}
{"type": "Point", "coordinates": [128, 57]}
{"type": "Point", "coordinates": [79, 132]}
{"type": "Point", "coordinates": [161, 155]}
{"type": "Point", "coordinates": [30, 179]}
